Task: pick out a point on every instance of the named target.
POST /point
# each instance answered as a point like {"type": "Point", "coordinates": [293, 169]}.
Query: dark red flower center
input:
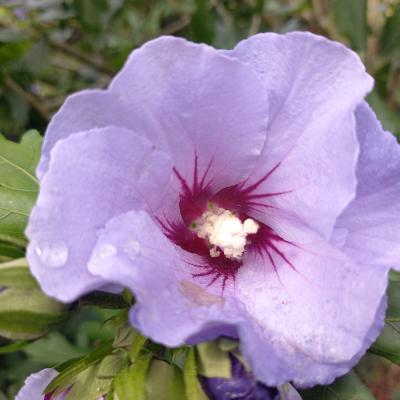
{"type": "Point", "coordinates": [239, 201]}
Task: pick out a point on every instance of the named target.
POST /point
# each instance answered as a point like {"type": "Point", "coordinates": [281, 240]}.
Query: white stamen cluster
{"type": "Point", "coordinates": [225, 231]}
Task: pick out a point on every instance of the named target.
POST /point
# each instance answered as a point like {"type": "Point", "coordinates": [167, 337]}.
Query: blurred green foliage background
{"type": "Point", "coordinates": [52, 48]}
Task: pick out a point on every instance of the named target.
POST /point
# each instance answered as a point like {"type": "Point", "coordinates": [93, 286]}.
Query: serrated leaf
{"type": "Point", "coordinates": [213, 362]}
{"type": "Point", "coordinates": [193, 390]}
{"type": "Point", "coordinates": [130, 382]}
{"type": "Point", "coordinates": [348, 387]}
{"type": "Point", "coordinates": [18, 184]}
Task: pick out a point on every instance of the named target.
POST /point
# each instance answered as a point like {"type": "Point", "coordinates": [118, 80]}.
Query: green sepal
{"type": "Point", "coordinates": [138, 345]}
{"type": "Point", "coordinates": [177, 385]}
{"type": "Point", "coordinates": [130, 382]}
{"type": "Point", "coordinates": [177, 356]}
{"type": "Point", "coordinates": [193, 389]}
{"type": "Point", "coordinates": [124, 336]}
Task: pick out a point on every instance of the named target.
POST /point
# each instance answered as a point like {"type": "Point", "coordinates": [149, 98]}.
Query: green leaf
{"type": "Point", "coordinates": [124, 336]}
{"type": "Point", "coordinates": [52, 349]}
{"type": "Point", "coordinates": [176, 357]}
{"type": "Point", "coordinates": [393, 292]}
{"type": "Point", "coordinates": [390, 119]}
{"type": "Point", "coordinates": [13, 347]}
{"type": "Point", "coordinates": [36, 58]}
{"type": "Point", "coordinates": [348, 387]}
{"type": "Point", "coordinates": [91, 14]}
{"type": "Point", "coordinates": [351, 21]}
{"type": "Point", "coordinates": [388, 343]}
{"type": "Point", "coordinates": [130, 382]}
{"type": "Point", "coordinates": [70, 369]}
{"type": "Point", "coordinates": [16, 274]}
{"type": "Point", "coordinates": [27, 325]}
{"type": "Point", "coordinates": [27, 300]}
{"type": "Point", "coordinates": [25, 312]}
{"type": "Point", "coordinates": [177, 386]}
{"type": "Point", "coordinates": [390, 39]}
{"type": "Point", "coordinates": [202, 24]}
{"type": "Point", "coordinates": [96, 381]}
{"type": "Point", "coordinates": [213, 362]}
{"type": "Point", "coordinates": [193, 390]}
{"type": "Point", "coordinates": [138, 343]}
{"type": "Point", "coordinates": [9, 252]}
{"type": "Point", "coordinates": [18, 184]}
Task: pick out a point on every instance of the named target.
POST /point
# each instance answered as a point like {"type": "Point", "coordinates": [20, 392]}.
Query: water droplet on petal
{"type": "Point", "coordinates": [132, 248]}
{"type": "Point", "coordinates": [107, 251]}
{"type": "Point", "coordinates": [52, 254]}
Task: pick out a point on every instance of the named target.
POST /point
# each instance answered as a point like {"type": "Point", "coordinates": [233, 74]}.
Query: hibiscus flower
{"type": "Point", "coordinates": [250, 193]}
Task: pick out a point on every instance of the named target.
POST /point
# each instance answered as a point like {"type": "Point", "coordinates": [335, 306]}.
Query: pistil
{"type": "Point", "coordinates": [224, 231]}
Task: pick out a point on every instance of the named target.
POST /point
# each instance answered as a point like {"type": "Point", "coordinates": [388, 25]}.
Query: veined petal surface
{"type": "Point", "coordinates": [92, 177]}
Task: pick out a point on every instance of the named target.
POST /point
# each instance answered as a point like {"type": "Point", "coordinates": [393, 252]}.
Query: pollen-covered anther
{"type": "Point", "coordinates": [225, 232]}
